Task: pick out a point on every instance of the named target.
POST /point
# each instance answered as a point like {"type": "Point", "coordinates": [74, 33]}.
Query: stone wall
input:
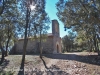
{"type": "Point", "coordinates": [57, 41]}
{"type": "Point", "coordinates": [33, 46]}
{"type": "Point", "coordinates": [48, 45]}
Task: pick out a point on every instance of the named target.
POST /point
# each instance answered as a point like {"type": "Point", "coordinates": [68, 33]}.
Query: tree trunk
{"type": "Point", "coordinates": [25, 40]}
{"type": "Point", "coordinates": [2, 59]}
{"type": "Point", "coordinates": [98, 48]}
{"type": "Point", "coordinates": [2, 50]}
{"type": "Point", "coordinates": [40, 44]}
{"type": "Point", "coordinates": [6, 53]}
{"type": "Point", "coordinates": [90, 45]}
{"type": "Point", "coordinates": [94, 39]}
{"type": "Point", "coordinates": [40, 52]}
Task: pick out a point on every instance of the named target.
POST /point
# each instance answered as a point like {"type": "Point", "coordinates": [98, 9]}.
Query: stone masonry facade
{"type": "Point", "coordinates": [52, 43]}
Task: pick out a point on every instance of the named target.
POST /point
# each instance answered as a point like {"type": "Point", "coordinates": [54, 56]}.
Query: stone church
{"type": "Point", "coordinates": [52, 44]}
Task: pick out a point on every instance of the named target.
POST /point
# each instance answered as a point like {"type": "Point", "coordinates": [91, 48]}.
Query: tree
{"type": "Point", "coordinates": [82, 15]}
{"type": "Point", "coordinates": [35, 21]}
{"type": "Point", "coordinates": [9, 25]}
{"type": "Point", "coordinates": [39, 22]}
{"type": "Point", "coordinates": [68, 41]}
{"type": "Point", "coordinates": [1, 11]}
{"type": "Point", "coordinates": [9, 19]}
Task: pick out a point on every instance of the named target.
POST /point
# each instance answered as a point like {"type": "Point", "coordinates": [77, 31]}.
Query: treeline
{"type": "Point", "coordinates": [82, 16]}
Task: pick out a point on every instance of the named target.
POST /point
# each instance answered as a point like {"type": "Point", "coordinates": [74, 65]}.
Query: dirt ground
{"type": "Point", "coordinates": [80, 63]}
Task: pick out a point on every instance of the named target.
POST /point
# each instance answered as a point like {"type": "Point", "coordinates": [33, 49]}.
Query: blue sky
{"type": "Point", "coordinates": [51, 10]}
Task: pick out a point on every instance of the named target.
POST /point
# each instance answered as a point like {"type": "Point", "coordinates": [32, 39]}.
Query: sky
{"type": "Point", "coordinates": [51, 10]}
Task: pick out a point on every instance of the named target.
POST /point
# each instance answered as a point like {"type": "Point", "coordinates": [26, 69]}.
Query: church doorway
{"type": "Point", "coordinates": [57, 48]}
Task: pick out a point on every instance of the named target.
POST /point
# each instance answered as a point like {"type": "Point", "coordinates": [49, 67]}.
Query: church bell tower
{"type": "Point", "coordinates": [55, 28]}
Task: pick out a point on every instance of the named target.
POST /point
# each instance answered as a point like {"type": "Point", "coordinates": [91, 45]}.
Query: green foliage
{"type": "Point", "coordinates": [38, 19]}
{"type": "Point", "coordinates": [8, 23]}
{"type": "Point", "coordinates": [68, 42]}
{"type": "Point", "coordinates": [83, 16]}
{"type": "Point", "coordinates": [13, 20]}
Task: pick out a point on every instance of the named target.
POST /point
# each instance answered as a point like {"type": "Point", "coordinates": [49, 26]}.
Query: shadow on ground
{"type": "Point", "coordinates": [52, 70]}
{"type": "Point", "coordinates": [3, 65]}
{"type": "Point", "coordinates": [90, 59]}
{"type": "Point", "coordinates": [55, 70]}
